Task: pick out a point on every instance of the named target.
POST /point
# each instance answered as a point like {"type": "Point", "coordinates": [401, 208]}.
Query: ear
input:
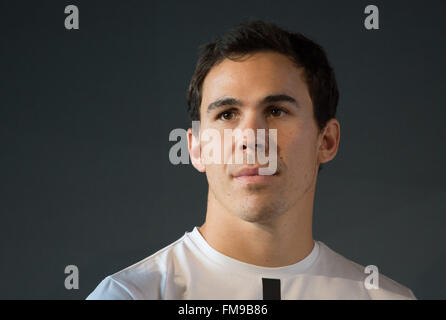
{"type": "Point", "coordinates": [329, 141]}
{"type": "Point", "coordinates": [193, 143]}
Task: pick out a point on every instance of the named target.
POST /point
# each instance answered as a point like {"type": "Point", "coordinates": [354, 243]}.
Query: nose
{"type": "Point", "coordinates": [252, 126]}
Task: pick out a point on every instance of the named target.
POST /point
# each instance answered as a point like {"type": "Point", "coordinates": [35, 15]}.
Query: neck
{"type": "Point", "coordinates": [284, 240]}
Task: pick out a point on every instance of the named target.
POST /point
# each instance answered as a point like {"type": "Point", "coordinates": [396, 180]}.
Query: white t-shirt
{"type": "Point", "coordinates": [190, 268]}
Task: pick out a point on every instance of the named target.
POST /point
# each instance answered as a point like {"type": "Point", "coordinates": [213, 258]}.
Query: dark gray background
{"type": "Point", "coordinates": [85, 118]}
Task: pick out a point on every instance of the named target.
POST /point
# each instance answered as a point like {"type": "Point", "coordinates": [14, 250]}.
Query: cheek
{"type": "Point", "coordinates": [297, 149]}
{"type": "Point", "coordinates": [215, 175]}
{"type": "Point", "coordinates": [216, 146]}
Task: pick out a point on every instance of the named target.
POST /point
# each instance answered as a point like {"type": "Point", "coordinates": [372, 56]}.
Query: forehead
{"type": "Point", "coordinates": [254, 77]}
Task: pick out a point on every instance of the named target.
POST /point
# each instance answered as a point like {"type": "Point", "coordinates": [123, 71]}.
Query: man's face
{"type": "Point", "coordinates": [249, 81]}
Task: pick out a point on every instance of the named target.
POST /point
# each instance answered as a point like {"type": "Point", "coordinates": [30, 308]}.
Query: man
{"type": "Point", "coordinates": [257, 242]}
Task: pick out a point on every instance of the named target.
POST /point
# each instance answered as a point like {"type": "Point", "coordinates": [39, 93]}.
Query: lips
{"type": "Point", "coordinates": [247, 172]}
{"type": "Point", "coordinates": [250, 171]}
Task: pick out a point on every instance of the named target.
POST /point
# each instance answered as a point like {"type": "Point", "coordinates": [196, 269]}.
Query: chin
{"type": "Point", "coordinates": [255, 210]}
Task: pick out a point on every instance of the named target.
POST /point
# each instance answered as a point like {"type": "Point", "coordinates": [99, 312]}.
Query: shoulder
{"type": "Point", "coordinates": [335, 265]}
{"type": "Point", "coordinates": [142, 280]}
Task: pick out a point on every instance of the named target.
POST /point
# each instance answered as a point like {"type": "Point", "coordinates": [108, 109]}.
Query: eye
{"type": "Point", "coordinates": [277, 112]}
{"type": "Point", "coordinates": [226, 115]}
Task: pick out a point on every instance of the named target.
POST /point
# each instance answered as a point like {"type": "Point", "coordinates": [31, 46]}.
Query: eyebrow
{"type": "Point", "coordinates": [230, 101]}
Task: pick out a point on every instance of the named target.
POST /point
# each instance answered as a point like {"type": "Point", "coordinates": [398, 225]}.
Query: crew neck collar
{"type": "Point", "coordinates": [234, 265]}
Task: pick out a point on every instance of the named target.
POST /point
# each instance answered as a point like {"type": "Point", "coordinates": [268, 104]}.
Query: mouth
{"type": "Point", "coordinates": [252, 176]}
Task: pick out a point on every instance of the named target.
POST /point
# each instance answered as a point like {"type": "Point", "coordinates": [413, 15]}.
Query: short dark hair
{"type": "Point", "coordinates": [255, 36]}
